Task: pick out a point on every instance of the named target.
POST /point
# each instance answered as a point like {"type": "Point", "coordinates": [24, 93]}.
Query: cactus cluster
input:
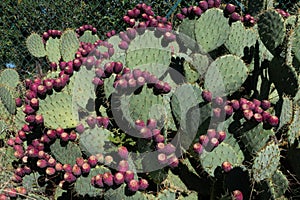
{"type": "Point", "coordinates": [199, 108]}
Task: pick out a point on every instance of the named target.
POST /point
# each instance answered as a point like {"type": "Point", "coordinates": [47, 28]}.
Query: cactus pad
{"type": "Point", "coordinates": [53, 49]}
{"type": "Point", "coordinates": [294, 128]}
{"type": "Point", "coordinates": [271, 29]}
{"type": "Point", "coordinates": [69, 45]}
{"type": "Point", "coordinates": [10, 78]}
{"type": "Point", "coordinates": [286, 113]}
{"type": "Point", "coordinates": [57, 111]}
{"type": "Point", "coordinates": [92, 141]}
{"type": "Point", "coordinates": [186, 34]}
{"type": "Point", "coordinates": [211, 29]}
{"type": "Point", "coordinates": [65, 153]}
{"type": "Point", "coordinates": [83, 185]}
{"type": "Point", "coordinates": [296, 42]}
{"type": "Point", "coordinates": [120, 193]}
{"type": "Point", "coordinates": [224, 152]}
{"type": "Point", "coordinates": [278, 184]}
{"type": "Point", "coordinates": [266, 162]}
{"type": "Point", "coordinates": [7, 99]}
{"type": "Point", "coordinates": [225, 75]}
{"type": "Point", "coordinates": [35, 45]}
{"type": "Point", "coordinates": [88, 37]}
{"type": "Point", "coordinates": [240, 35]}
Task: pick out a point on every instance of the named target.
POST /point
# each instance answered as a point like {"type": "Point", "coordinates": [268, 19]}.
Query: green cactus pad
{"type": "Point", "coordinates": [93, 141]}
{"type": "Point", "coordinates": [53, 50]}
{"type": "Point", "coordinates": [83, 91]}
{"type": "Point", "coordinates": [35, 45]}
{"type": "Point", "coordinates": [286, 81]}
{"type": "Point", "coordinates": [240, 38]}
{"type": "Point", "coordinates": [69, 45]}
{"type": "Point", "coordinates": [88, 37]}
{"type": "Point", "coordinates": [83, 185]}
{"type": "Point", "coordinates": [266, 162]}
{"type": "Point", "coordinates": [190, 73]}
{"type": "Point", "coordinates": [200, 63]}
{"type": "Point", "coordinates": [271, 29]}
{"type": "Point", "coordinates": [211, 29]}
{"type": "Point", "coordinates": [57, 111]}
{"type": "Point", "coordinates": [119, 54]}
{"type": "Point", "coordinates": [166, 195]}
{"type": "Point", "coordinates": [286, 113]}
{"type": "Point", "coordinates": [9, 77]}
{"type": "Point", "coordinates": [255, 138]}
{"type": "Point", "coordinates": [278, 184]}
{"type": "Point", "coordinates": [30, 182]}
{"type": "Point", "coordinates": [120, 193]}
{"type": "Point", "coordinates": [18, 118]}
{"type": "Point", "coordinates": [294, 128]}
{"type": "Point", "coordinates": [7, 99]}
{"type": "Point", "coordinates": [296, 42]}
{"type": "Point", "coordinates": [225, 75]}
{"type": "Point", "coordinates": [257, 6]}
{"type": "Point", "coordinates": [224, 152]}
{"type": "Point", "coordinates": [187, 35]}
{"type": "Point", "coordinates": [66, 154]}
{"type": "Point", "coordinates": [180, 105]}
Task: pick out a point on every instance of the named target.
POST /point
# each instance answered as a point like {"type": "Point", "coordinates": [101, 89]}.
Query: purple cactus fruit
{"type": "Point", "coordinates": [169, 149]}
{"type": "Point", "coordinates": [18, 102]}
{"type": "Point", "coordinates": [76, 170]}
{"type": "Point", "coordinates": [235, 17]}
{"type": "Point", "coordinates": [235, 104]}
{"type": "Point", "coordinates": [91, 121]}
{"type": "Point", "coordinates": [131, 33]}
{"type": "Point", "coordinates": [248, 114]}
{"type": "Point", "coordinates": [58, 167]}
{"type": "Point", "coordinates": [41, 163]}
{"type": "Point", "coordinates": [256, 102]}
{"type": "Point", "coordinates": [197, 10]}
{"type": "Point", "coordinates": [203, 139]}
{"type": "Point", "coordinates": [228, 110]}
{"type": "Point", "coordinates": [237, 195]}
{"type": "Point", "coordinates": [265, 116]}
{"type": "Point", "coordinates": [258, 109]}
{"type": "Point", "coordinates": [119, 178]}
{"type": "Point", "coordinates": [39, 119]}
{"type": "Point", "coordinates": [11, 192]}
{"type": "Point", "coordinates": [198, 148]}
{"type": "Point", "coordinates": [10, 142]}
{"type": "Point", "coordinates": [230, 8]}
{"type": "Point", "coordinates": [118, 67]}
{"type": "Point", "coordinates": [28, 110]}
{"type": "Point", "coordinates": [180, 16]}
{"type": "Point", "coordinates": [265, 104]}
{"type": "Point", "coordinates": [18, 140]}
{"type": "Point", "coordinates": [162, 158]}
{"type": "Point", "coordinates": [50, 171]}
{"type": "Point", "coordinates": [221, 135]}
{"type": "Point", "coordinates": [128, 176]}
{"type": "Point", "coordinates": [108, 178]}
{"type": "Point", "coordinates": [80, 161]}
{"type": "Point", "coordinates": [100, 73]}
{"type": "Point", "coordinates": [155, 132]}
{"type": "Point", "coordinates": [143, 184]}
{"type": "Point", "coordinates": [139, 124]}
{"type": "Point", "coordinates": [48, 85]}
{"type": "Point", "coordinates": [123, 166]}
{"type": "Point", "coordinates": [30, 94]}
{"type": "Point", "coordinates": [132, 83]}
{"type": "Point", "coordinates": [20, 172]}
{"type": "Point", "coordinates": [203, 5]}
{"type": "Point", "coordinates": [151, 123]}
{"type": "Point", "coordinates": [159, 138]}
{"type": "Point", "coordinates": [258, 117]}
{"type": "Point", "coordinates": [206, 95]}
{"type": "Point", "coordinates": [69, 177]}
{"type": "Point", "coordinates": [273, 120]}
{"type": "Point", "coordinates": [18, 154]}
{"type": "Point", "coordinates": [169, 37]}
{"type": "Point", "coordinates": [140, 81]}
{"type": "Point", "coordinates": [217, 112]}
{"type": "Point", "coordinates": [51, 134]}
{"type": "Point", "coordinates": [123, 152]}
{"type": "Point", "coordinates": [30, 118]}
{"type": "Point", "coordinates": [109, 68]}
{"type": "Point", "coordinates": [184, 11]}
{"type": "Point", "coordinates": [217, 3]}
{"type": "Point", "coordinates": [80, 128]}
{"type": "Point", "coordinates": [245, 106]}
{"type": "Point", "coordinates": [211, 133]}
{"type": "Point", "coordinates": [213, 143]}
{"type": "Point", "coordinates": [76, 64]}
{"type": "Point", "coordinates": [123, 45]}
{"type": "Point", "coordinates": [122, 84]}
{"type": "Point", "coordinates": [97, 81]}
{"type": "Point", "coordinates": [21, 190]}
{"type": "Point", "coordinates": [67, 168]}
{"type": "Point", "coordinates": [92, 160]}
{"type": "Point", "coordinates": [211, 3]}
{"type": "Point", "coordinates": [219, 101]}
{"type": "Point", "coordinates": [51, 162]}
{"type": "Point", "coordinates": [85, 168]}
{"type": "Point", "coordinates": [166, 88]}
{"type": "Point", "coordinates": [97, 181]}
{"type": "Point", "coordinates": [173, 161]}
{"type": "Point", "coordinates": [26, 128]}
{"type": "Point", "coordinates": [108, 160]}
{"type": "Point", "coordinates": [160, 146]}
{"type": "Point", "coordinates": [251, 105]}
{"type": "Point", "coordinates": [105, 122]}
{"type": "Point", "coordinates": [133, 185]}
{"type": "Point", "coordinates": [226, 166]}
{"type": "Point", "coordinates": [100, 158]}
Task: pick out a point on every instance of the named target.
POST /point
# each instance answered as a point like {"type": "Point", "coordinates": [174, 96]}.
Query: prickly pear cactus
{"type": "Point", "coordinates": [146, 113]}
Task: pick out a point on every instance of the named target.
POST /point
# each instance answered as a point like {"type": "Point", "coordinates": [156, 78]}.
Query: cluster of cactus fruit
{"type": "Point", "coordinates": [143, 109]}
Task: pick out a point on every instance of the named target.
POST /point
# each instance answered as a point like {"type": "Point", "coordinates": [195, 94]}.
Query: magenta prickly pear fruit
{"type": "Point", "coordinates": [34, 103]}
{"type": "Point", "coordinates": [118, 67]}
{"type": "Point", "coordinates": [237, 195]}
{"type": "Point", "coordinates": [30, 118]}
{"type": "Point", "coordinates": [248, 114]}
{"type": "Point", "coordinates": [50, 171]}
{"type": "Point", "coordinates": [173, 161]}
{"type": "Point", "coordinates": [18, 102]}
{"type": "Point", "coordinates": [132, 83]}
{"type": "Point", "coordinates": [155, 132]}
{"type": "Point", "coordinates": [151, 123]}
{"type": "Point", "coordinates": [58, 167]}
{"type": "Point", "coordinates": [235, 17]}
{"type": "Point", "coordinates": [80, 128]}
{"type": "Point", "coordinates": [28, 110]}
{"type": "Point", "coordinates": [123, 166]}
{"type": "Point", "coordinates": [273, 120]}
{"type": "Point", "coordinates": [97, 81]}
{"type": "Point", "coordinates": [228, 110]}
{"type": "Point", "coordinates": [159, 138]}
{"type": "Point", "coordinates": [265, 116]}
{"type": "Point", "coordinates": [64, 137]}
{"type": "Point", "coordinates": [217, 112]}
{"type": "Point", "coordinates": [51, 162]}
{"type": "Point", "coordinates": [146, 133]}
{"type": "Point", "coordinates": [219, 101]}
{"type": "Point", "coordinates": [109, 68]}
{"type": "Point", "coordinates": [235, 104]}
{"type": "Point", "coordinates": [80, 161]}
{"type": "Point", "coordinates": [258, 109]}
{"type": "Point", "coordinates": [91, 121]}
{"type": "Point", "coordinates": [85, 168]}
{"type": "Point", "coordinates": [198, 148]}
{"type": "Point", "coordinates": [51, 134]}
{"type": "Point", "coordinates": [221, 135]}
{"type": "Point", "coordinates": [160, 146]}
{"type": "Point", "coordinates": [162, 158]}
{"type": "Point", "coordinates": [69, 177]}
{"type": "Point", "coordinates": [123, 152]}
{"type": "Point", "coordinates": [133, 185]}
{"type": "Point", "coordinates": [245, 106]}
{"type": "Point", "coordinates": [211, 3]}
{"type": "Point", "coordinates": [140, 81]}
{"type": "Point", "coordinates": [230, 8]}
{"type": "Point", "coordinates": [76, 170]}
{"type": "Point", "coordinates": [197, 10]}
{"type": "Point", "coordinates": [211, 133]}
{"type": "Point", "coordinates": [98, 180]}
{"type": "Point", "coordinates": [143, 184]}
{"type": "Point", "coordinates": [180, 16]}
{"type": "Point", "coordinates": [41, 163]}
{"type": "Point", "coordinates": [67, 168]}
{"type": "Point", "coordinates": [256, 102]}
{"type": "Point", "coordinates": [203, 139]}
{"type": "Point", "coordinates": [108, 160]}
{"type": "Point", "coordinates": [258, 117]}
{"type": "Point", "coordinates": [169, 149]}
{"type": "Point", "coordinates": [203, 5]}
{"type": "Point", "coordinates": [123, 45]}
{"type": "Point", "coordinates": [39, 119]}
{"type": "Point", "coordinates": [213, 143]}
{"type": "Point", "coordinates": [119, 178]}
{"type": "Point", "coordinates": [128, 176]}
{"type": "Point", "coordinates": [108, 178]}
{"type": "Point", "coordinates": [169, 37]}
{"type": "Point", "coordinates": [131, 33]}
{"type": "Point", "coordinates": [92, 160]}
{"type": "Point", "coordinates": [139, 124]}
{"type": "Point", "coordinates": [206, 95]}
{"type": "Point", "coordinates": [265, 104]}
{"type": "Point", "coordinates": [10, 142]}
{"type": "Point", "coordinates": [226, 166]}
